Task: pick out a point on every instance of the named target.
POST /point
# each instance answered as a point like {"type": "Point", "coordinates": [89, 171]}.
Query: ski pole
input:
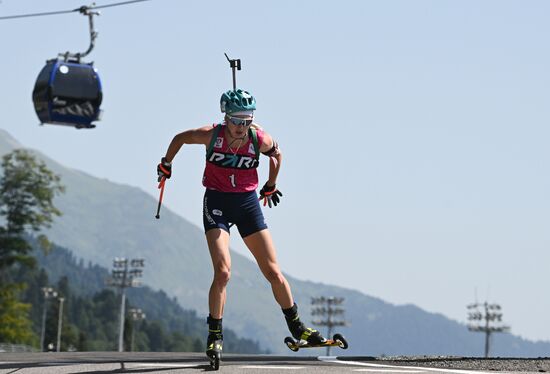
{"type": "Point", "coordinates": [161, 186]}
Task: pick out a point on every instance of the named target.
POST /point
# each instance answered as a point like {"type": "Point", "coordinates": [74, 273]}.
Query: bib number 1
{"type": "Point", "coordinates": [232, 179]}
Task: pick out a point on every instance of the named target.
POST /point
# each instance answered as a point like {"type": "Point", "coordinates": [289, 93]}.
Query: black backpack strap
{"type": "Point", "coordinates": [215, 134]}
{"type": "Point", "coordinates": [254, 137]}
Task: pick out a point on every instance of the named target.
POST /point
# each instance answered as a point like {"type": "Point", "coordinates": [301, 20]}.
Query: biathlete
{"type": "Point", "coordinates": [231, 180]}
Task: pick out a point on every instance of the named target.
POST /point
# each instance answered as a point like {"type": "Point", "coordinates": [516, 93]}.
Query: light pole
{"type": "Point", "coordinates": [48, 294]}
{"type": "Point", "coordinates": [326, 309]}
{"type": "Point", "coordinates": [481, 320]}
{"type": "Point", "coordinates": [136, 315]}
{"type": "Point", "coordinates": [124, 275]}
{"type": "Point", "coordinates": [60, 323]}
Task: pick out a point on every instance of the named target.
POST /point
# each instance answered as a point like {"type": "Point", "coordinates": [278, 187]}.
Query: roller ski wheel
{"type": "Point", "coordinates": [215, 360]}
{"type": "Point", "coordinates": [292, 344]}
{"type": "Point", "coordinates": [214, 353]}
{"type": "Point", "coordinates": [342, 342]}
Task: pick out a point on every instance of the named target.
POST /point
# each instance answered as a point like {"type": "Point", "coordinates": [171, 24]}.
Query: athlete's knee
{"type": "Point", "coordinates": [222, 276]}
{"type": "Point", "coordinates": [275, 276]}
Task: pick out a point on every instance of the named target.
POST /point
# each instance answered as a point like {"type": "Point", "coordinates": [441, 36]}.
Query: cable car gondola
{"type": "Point", "coordinates": [68, 91]}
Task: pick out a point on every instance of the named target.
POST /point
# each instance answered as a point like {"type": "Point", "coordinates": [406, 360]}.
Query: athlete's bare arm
{"type": "Point", "coordinates": [202, 135]}
{"type": "Point", "coordinates": [271, 149]}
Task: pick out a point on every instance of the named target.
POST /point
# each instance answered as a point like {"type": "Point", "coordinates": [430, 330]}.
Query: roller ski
{"type": "Point", "coordinates": [304, 337]}
{"type": "Point", "coordinates": [214, 343]}
{"type": "Point", "coordinates": [337, 341]}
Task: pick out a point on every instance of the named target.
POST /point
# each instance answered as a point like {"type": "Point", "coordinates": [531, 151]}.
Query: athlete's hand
{"type": "Point", "coordinates": [270, 195]}
{"type": "Point", "coordinates": [164, 169]}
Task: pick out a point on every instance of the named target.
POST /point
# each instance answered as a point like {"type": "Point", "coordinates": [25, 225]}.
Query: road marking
{"type": "Point", "coordinates": [389, 371]}
{"type": "Point", "coordinates": [440, 370]}
{"type": "Point", "coordinates": [272, 367]}
{"type": "Point", "coordinates": [159, 365]}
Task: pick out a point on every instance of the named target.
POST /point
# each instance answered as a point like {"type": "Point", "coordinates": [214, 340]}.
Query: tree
{"type": "Point", "coordinates": [15, 324]}
{"type": "Point", "coordinates": [27, 189]}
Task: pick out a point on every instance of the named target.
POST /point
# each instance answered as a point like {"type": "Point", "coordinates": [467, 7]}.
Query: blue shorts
{"type": "Point", "coordinates": [220, 209]}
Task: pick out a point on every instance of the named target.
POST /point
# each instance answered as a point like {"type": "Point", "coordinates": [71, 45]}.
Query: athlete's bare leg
{"type": "Point", "coordinates": [218, 244]}
{"type": "Point", "coordinates": [261, 246]}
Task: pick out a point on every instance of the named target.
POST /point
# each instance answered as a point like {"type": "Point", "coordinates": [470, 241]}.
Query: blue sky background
{"type": "Point", "coordinates": [415, 133]}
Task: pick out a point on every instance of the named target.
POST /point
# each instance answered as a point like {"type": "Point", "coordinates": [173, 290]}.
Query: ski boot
{"type": "Point", "coordinates": [214, 342]}
{"type": "Point", "coordinates": [299, 331]}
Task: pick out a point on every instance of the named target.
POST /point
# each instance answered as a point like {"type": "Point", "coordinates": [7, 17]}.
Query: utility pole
{"type": "Point", "coordinates": [136, 315]}
{"type": "Point", "coordinates": [327, 308]}
{"type": "Point", "coordinates": [481, 317]}
{"type": "Point", "coordinates": [59, 323]}
{"type": "Point", "coordinates": [48, 294]}
{"type": "Point", "coordinates": [124, 275]}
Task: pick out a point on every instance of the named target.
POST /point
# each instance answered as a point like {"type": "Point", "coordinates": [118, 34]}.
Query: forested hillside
{"type": "Point", "coordinates": [91, 310]}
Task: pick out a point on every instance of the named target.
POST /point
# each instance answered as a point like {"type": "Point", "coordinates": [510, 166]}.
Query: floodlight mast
{"type": "Point", "coordinates": [123, 277]}
{"type": "Point", "coordinates": [59, 323]}
{"type": "Point", "coordinates": [328, 309]}
{"type": "Point", "coordinates": [491, 313]}
{"type": "Point", "coordinates": [136, 315]}
{"type": "Point", "coordinates": [234, 64]}
{"type": "Point", "coordinates": [49, 293]}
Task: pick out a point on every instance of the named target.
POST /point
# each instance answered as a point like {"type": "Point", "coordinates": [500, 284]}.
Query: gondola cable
{"type": "Point", "coordinates": [70, 11]}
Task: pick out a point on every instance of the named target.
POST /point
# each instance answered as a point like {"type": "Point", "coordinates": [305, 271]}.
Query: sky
{"type": "Point", "coordinates": [414, 133]}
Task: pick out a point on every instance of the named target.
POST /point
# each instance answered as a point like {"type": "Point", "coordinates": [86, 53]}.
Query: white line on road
{"type": "Point", "coordinates": [441, 370]}
{"type": "Point", "coordinates": [159, 365]}
{"type": "Point", "coordinates": [389, 371]}
{"type": "Point", "coordinates": [272, 367]}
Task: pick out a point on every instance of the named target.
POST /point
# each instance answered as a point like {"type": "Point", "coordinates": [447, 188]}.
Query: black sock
{"type": "Point", "coordinates": [291, 313]}
{"type": "Point", "coordinates": [214, 325]}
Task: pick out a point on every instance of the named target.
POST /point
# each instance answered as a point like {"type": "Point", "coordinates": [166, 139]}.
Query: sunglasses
{"type": "Point", "coordinates": [240, 121]}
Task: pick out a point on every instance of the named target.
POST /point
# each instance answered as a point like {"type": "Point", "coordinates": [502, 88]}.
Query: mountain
{"type": "Point", "coordinates": [87, 283]}
{"type": "Point", "coordinates": [103, 220]}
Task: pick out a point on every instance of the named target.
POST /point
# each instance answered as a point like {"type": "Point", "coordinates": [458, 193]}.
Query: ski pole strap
{"type": "Point", "coordinates": [164, 169]}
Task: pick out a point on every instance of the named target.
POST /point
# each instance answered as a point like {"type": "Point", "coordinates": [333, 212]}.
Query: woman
{"type": "Point", "coordinates": [231, 179]}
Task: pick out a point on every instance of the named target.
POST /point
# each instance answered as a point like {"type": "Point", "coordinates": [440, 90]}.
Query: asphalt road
{"type": "Point", "coordinates": [168, 362]}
